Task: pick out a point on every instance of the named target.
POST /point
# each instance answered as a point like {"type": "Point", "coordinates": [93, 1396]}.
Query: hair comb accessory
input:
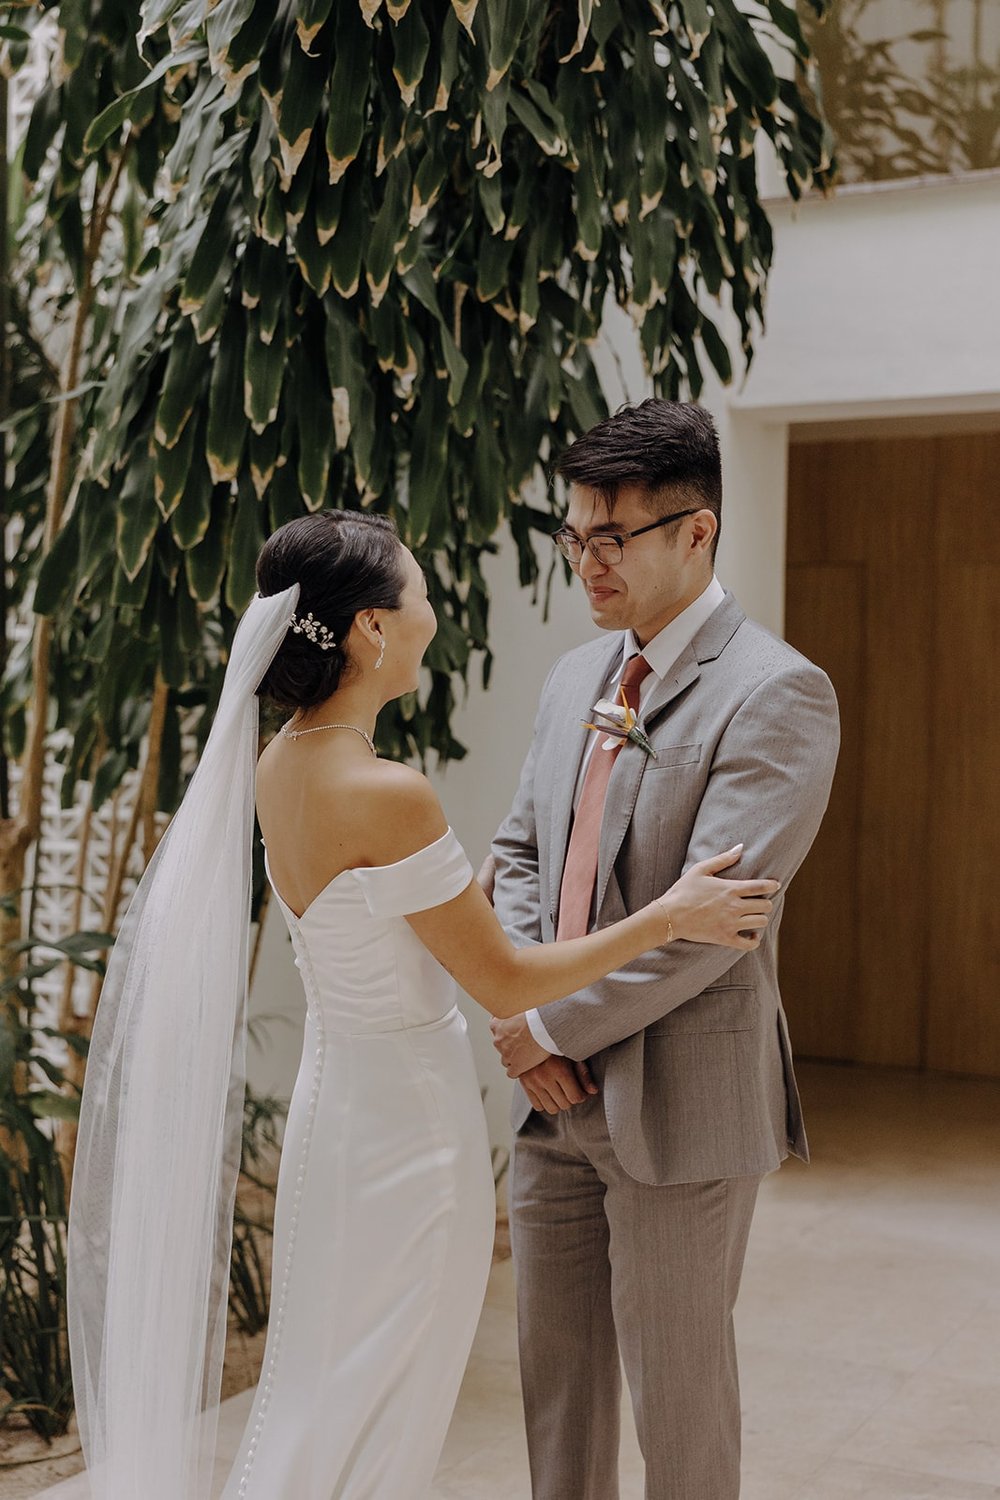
{"type": "Point", "coordinates": [314, 630]}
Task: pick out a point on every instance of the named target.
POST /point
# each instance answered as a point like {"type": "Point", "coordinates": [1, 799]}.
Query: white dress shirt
{"type": "Point", "coordinates": [662, 653]}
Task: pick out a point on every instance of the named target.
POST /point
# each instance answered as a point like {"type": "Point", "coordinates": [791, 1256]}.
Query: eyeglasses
{"type": "Point", "coordinates": [609, 549]}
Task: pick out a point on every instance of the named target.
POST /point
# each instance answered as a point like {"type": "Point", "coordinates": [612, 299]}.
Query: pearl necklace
{"type": "Point", "coordinates": [294, 734]}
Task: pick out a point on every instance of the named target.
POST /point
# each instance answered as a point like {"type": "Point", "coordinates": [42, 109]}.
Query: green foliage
{"type": "Point", "coordinates": [34, 1093]}
{"type": "Point", "coordinates": [34, 1358]}
{"type": "Point", "coordinates": [359, 254]}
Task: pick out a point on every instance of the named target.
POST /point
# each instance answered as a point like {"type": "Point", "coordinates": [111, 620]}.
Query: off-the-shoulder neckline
{"type": "Point", "coordinates": [351, 870]}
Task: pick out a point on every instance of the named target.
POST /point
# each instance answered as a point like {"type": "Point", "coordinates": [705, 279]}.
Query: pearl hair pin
{"type": "Point", "coordinates": [314, 630]}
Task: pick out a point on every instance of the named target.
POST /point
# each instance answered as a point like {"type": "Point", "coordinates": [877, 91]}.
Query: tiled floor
{"type": "Point", "coordinates": [869, 1321]}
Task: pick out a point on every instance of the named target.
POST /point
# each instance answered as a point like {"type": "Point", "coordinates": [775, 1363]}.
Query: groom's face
{"type": "Point", "coordinates": [660, 573]}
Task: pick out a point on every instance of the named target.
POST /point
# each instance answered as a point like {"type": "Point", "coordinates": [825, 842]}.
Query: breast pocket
{"type": "Point", "coordinates": [669, 757]}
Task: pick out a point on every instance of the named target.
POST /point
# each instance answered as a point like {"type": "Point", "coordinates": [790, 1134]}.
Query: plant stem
{"type": "Point", "coordinates": [4, 414]}
{"type": "Point", "coordinates": [151, 774]}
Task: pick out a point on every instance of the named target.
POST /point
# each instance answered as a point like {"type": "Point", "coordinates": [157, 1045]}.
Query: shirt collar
{"type": "Point", "coordinates": [664, 649]}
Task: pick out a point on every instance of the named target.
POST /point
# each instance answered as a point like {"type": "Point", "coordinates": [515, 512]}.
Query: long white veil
{"type": "Point", "coordinates": [151, 1211]}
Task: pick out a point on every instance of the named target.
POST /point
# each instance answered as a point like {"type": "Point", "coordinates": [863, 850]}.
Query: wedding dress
{"type": "Point", "coordinates": [385, 1203]}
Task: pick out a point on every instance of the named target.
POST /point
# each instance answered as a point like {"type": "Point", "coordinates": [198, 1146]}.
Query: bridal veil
{"type": "Point", "coordinates": [158, 1152]}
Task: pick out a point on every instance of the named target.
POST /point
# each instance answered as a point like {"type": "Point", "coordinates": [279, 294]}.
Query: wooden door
{"type": "Point", "coordinates": [890, 944]}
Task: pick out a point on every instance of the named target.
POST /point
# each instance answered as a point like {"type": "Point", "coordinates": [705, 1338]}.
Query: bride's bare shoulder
{"type": "Point", "coordinates": [400, 810]}
{"type": "Point", "coordinates": [383, 810]}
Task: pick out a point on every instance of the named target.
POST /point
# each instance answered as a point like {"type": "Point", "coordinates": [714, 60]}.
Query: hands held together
{"type": "Point", "coordinates": [551, 1083]}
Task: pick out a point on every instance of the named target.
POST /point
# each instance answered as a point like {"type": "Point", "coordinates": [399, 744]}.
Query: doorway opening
{"type": "Point", "coordinates": [890, 944]}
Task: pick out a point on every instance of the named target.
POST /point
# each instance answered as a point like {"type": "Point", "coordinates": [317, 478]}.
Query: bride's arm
{"type": "Point", "coordinates": [466, 938]}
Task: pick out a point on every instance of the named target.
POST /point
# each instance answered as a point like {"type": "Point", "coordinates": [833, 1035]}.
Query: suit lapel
{"type": "Point", "coordinates": [630, 764]}
{"type": "Point", "coordinates": [626, 777]}
{"type": "Point", "coordinates": [575, 706]}
{"type": "Point", "coordinates": [686, 669]}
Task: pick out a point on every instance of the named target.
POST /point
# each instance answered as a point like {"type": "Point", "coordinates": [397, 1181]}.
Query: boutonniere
{"type": "Point", "coordinates": [620, 723]}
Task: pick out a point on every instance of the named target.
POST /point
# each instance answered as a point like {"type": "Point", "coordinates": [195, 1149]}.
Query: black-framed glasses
{"type": "Point", "coordinates": [608, 547]}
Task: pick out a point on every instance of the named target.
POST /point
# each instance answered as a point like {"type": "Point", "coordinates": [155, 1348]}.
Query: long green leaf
{"type": "Point", "coordinates": [181, 385]}
{"type": "Point", "coordinates": [227, 419]}
{"type": "Point", "coordinates": [508, 19]}
{"type": "Point", "coordinates": [263, 369]}
{"type": "Point", "coordinates": [190, 519]}
{"type": "Point", "coordinates": [123, 108]}
{"type": "Point", "coordinates": [302, 97]}
{"type": "Point", "coordinates": [314, 421]}
{"type": "Point", "coordinates": [247, 540]}
{"type": "Point", "coordinates": [349, 84]}
{"type": "Point", "coordinates": [420, 281]}
{"type": "Point", "coordinates": [425, 512]}
{"type": "Point", "coordinates": [389, 231]}
{"type": "Point", "coordinates": [205, 564]}
{"type": "Point", "coordinates": [172, 467]}
{"type": "Point", "coordinates": [352, 394]}
{"type": "Point", "coordinates": [411, 43]}
{"type": "Point", "coordinates": [138, 518]}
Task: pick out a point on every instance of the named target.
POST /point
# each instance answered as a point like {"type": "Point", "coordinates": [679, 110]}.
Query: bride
{"type": "Point", "coordinates": [384, 1210]}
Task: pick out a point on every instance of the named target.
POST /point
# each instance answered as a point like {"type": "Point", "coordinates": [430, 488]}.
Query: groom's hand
{"type": "Point", "coordinates": [557, 1084]}
{"type": "Point", "coordinates": [551, 1083]}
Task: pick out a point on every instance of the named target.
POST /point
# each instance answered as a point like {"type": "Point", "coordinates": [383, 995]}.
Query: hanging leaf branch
{"type": "Point", "coordinates": [361, 255]}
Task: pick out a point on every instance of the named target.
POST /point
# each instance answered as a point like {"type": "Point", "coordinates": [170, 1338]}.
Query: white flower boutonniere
{"type": "Point", "coordinates": [620, 723]}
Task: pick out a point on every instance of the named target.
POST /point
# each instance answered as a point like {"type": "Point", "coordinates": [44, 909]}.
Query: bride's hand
{"type": "Point", "coordinates": [705, 909]}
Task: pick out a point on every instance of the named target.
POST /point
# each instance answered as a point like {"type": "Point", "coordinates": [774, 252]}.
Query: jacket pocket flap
{"type": "Point", "coordinates": [733, 1008]}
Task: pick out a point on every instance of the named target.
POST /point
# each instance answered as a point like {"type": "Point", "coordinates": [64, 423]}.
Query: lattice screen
{"type": "Point", "coordinates": [66, 886]}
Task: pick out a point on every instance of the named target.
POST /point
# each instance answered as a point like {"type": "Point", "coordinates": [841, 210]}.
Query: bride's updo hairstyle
{"type": "Point", "coordinates": [344, 561]}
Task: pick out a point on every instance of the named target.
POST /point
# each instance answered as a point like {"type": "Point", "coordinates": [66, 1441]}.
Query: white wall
{"type": "Point", "coordinates": [884, 296]}
{"type": "Point", "coordinates": [881, 304]}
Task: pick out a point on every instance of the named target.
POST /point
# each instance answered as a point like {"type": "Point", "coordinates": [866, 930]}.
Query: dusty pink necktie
{"type": "Point", "coordinates": [580, 869]}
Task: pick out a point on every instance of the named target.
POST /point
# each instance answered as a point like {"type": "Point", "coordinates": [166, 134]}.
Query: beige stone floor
{"type": "Point", "coordinates": [869, 1322]}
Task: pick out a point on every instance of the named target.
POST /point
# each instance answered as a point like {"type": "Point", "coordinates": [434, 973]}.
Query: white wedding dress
{"type": "Point", "coordinates": [385, 1203]}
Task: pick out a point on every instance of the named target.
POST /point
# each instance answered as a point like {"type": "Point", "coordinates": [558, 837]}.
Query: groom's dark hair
{"type": "Point", "coordinates": [668, 448]}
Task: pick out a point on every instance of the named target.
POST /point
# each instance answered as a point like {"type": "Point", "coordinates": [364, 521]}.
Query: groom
{"type": "Point", "coordinates": [650, 1106]}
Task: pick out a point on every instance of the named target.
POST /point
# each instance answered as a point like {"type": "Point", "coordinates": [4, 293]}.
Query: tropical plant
{"type": "Point", "coordinates": [359, 254]}
{"type": "Point", "coordinates": [35, 1093]}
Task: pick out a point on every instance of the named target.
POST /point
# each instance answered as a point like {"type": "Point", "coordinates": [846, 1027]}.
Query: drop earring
{"type": "Point", "coordinates": [381, 653]}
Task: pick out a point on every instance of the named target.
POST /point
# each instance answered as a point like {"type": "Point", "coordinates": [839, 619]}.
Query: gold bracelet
{"type": "Point", "coordinates": [670, 924]}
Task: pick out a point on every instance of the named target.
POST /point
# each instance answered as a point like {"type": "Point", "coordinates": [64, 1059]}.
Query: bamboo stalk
{"type": "Point", "coordinates": [69, 1021]}
{"type": "Point", "coordinates": [143, 808]}
{"type": "Point", "coordinates": [4, 412]}
{"type": "Point", "coordinates": [151, 772]}
{"type": "Point", "coordinates": [116, 881]}
{"type": "Point", "coordinates": [66, 1013]}
{"type": "Point", "coordinates": [19, 832]}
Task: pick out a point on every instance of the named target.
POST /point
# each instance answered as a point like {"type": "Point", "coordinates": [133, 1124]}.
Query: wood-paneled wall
{"type": "Point", "coordinates": [890, 944]}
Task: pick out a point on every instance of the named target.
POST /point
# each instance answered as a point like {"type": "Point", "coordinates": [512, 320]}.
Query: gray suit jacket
{"type": "Point", "coordinates": [692, 1039]}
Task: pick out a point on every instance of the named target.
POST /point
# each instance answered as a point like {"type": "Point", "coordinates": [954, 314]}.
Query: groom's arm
{"type": "Point", "coordinates": [769, 786]}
